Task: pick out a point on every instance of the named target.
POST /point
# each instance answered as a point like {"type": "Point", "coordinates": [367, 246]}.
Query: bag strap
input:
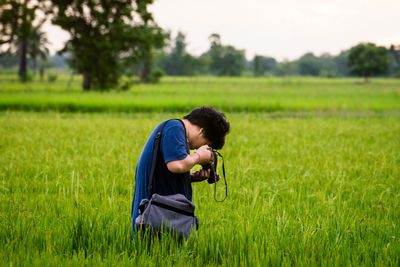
{"type": "Point", "coordinates": [156, 148]}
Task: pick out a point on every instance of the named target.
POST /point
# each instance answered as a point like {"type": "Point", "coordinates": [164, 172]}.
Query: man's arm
{"type": "Point", "coordinates": [184, 165]}
{"type": "Point", "coordinates": [200, 156]}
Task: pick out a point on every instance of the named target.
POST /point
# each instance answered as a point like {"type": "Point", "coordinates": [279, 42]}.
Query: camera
{"type": "Point", "coordinates": [214, 176]}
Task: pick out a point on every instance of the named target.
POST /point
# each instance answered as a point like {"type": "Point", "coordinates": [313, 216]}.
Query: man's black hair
{"type": "Point", "coordinates": [213, 122]}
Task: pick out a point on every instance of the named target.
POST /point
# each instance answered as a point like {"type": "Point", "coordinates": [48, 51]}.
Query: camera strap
{"type": "Point", "coordinates": [223, 174]}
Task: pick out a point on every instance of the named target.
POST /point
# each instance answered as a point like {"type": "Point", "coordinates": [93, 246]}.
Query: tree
{"type": "Point", "coordinates": [394, 61]}
{"type": "Point", "coordinates": [154, 37]}
{"type": "Point", "coordinates": [262, 64]}
{"type": "Point", "coordinates": [174, 63]}
{"type": "Point", "coordinates": [16, 22]}
{"type": "Point", "coordinates": [367, 60]}
{"type": "Point", "coordinates": [37, 47]}
{"type": "Point", "coordinates": [309, 65]}
{"type": "Point", "coordinates": [103, 35]}
{"type": "Point", "coordinates": [395, 51]}
{"type": "Point", "coordinates": [286, 68]}
{"type": "Point", "coordinates": [340, 62]}
{"type": "Point", "coordinates": [178, 61]}
{"type": "Point", "coordinates": [225, 60]}
{"type": "Point", "coordinates": [34, 46]}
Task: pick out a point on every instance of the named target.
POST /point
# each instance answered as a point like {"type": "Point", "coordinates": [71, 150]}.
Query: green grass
{"type": "Point", "coordinates": [315, 182]}
{"type": "Point", "coordinates": [302, 191]}
{"type": "Point", "coordinates": [228, 94]}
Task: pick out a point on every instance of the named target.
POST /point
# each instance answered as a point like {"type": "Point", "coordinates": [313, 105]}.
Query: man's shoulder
{"type": "Point", "coordinates": [174, 144]}
{"type": "Point", "coordinates": [174, 124]}
{"type": "Point", "coordinates": [173, 133]}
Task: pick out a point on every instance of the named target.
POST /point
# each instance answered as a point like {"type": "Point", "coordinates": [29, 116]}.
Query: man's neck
{"type": "Point", "coordinates": [188, 127]}
{"type": "Point", "coordinates": [191, 130]}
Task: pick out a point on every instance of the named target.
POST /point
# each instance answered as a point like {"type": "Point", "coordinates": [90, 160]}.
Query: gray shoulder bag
{"type": "Point", "coordinates": [173, 213]}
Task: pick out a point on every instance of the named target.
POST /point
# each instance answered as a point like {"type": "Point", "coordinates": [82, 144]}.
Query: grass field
{"type": "Point", "coordinates": [319, 188]}
{"type": "Point", "coordinates": [228, 94]}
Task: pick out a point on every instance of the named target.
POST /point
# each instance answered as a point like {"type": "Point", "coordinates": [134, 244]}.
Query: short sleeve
{"type": "Point", "coordinates": [173, 143]}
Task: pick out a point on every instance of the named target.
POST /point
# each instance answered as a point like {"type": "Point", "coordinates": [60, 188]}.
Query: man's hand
{"type": "Point", "coordinates": [205, 155]}
{"type": "Point", "coordinates": [199, 176]}
{"type": "Point", "coordinates": [200, 156]}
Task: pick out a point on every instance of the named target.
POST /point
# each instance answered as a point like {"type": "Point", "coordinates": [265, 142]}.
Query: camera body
{"type": "Point", "coordinates": [214, 176]}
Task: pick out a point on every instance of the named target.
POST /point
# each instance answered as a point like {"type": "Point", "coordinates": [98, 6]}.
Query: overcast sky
{"type": "Point", "coordinates": [284, 29]}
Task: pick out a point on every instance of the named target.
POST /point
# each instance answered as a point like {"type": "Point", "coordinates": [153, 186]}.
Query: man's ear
{"type": "Point", "coordinates": [201, 132]}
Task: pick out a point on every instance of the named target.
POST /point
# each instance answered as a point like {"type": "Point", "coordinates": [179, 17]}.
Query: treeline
{"type": "Point", "coordinates": [57, 61]}
{"type": "Point", "coordinates": [109, 39]}
{"type": "Point", "coordinates": [226, 60]}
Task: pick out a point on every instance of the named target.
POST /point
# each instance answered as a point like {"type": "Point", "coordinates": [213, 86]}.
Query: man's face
{"type": "Point", "coordinates": [198, 140]}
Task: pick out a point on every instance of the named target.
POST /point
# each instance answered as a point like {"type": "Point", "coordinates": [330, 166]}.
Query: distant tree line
{"type": "Point", "coordinates": [225, 60]}
{"type": "Point", "coordinates": [110, 39]}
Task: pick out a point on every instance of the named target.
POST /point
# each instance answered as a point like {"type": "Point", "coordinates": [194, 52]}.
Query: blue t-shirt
{"type": "Point", "coordinates": [173, 146]}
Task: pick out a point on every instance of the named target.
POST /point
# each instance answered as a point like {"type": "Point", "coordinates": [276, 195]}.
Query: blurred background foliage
{"type": "Point", "coordinates": [115, 39]}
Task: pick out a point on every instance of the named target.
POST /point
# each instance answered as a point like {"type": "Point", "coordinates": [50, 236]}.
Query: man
{"type": "Point", "coordinates": [201, 128]}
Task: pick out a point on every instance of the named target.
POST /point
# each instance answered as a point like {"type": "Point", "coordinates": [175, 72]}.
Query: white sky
{"type": "Point", "coordinates": [284, 29]}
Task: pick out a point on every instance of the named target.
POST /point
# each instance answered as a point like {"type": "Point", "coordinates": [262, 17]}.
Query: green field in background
{"type": "Point", "coordinates": [291, 94]}
{"type": "Point", "coordinates": [302, 191]}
